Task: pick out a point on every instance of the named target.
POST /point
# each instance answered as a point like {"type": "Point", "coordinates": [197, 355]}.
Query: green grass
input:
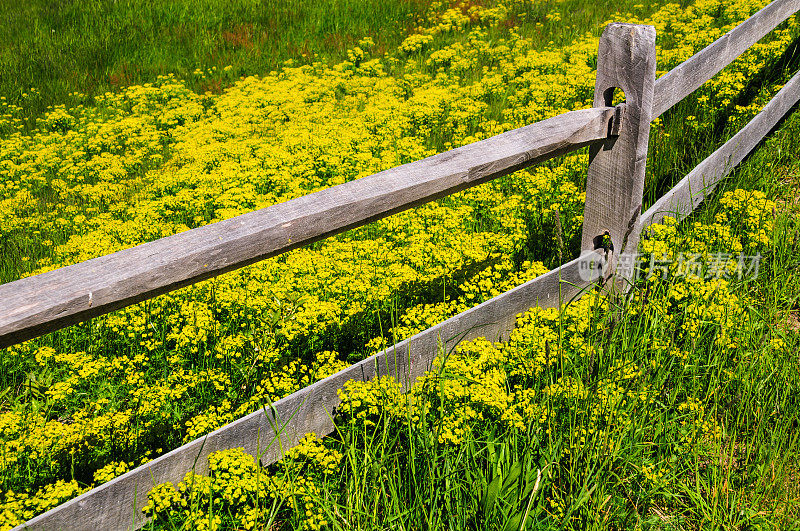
{"type": "Point", "coordinates": [91, 46]}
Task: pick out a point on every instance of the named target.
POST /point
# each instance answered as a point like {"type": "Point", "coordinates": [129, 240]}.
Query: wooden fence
{"type": "Point", "coordinates": [618, 139]}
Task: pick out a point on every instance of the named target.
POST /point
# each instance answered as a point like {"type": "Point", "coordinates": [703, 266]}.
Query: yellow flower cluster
{"type": "Point", "coordinates": [313, 456]}
{"type": "Point", "coordinates": [238, 494]}
{"type": "Point", "coordinates": [415, 43]}
{"type": "Point", "coordinates": [19, 507]}
{"type": "Point", "coordinates": [110, 471]}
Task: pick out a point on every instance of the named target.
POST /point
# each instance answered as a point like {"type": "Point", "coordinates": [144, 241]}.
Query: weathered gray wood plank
{"type": "Point", "coordinates": [615, 177]}
{"type": "Point", "coordinates": [112, 506]}
{"type": "Point", "coordinates": [33, 306]}
{"type": "Point", "coordinates": [705, 64]}
{"type": "Point", "coordinates": [682, 199]}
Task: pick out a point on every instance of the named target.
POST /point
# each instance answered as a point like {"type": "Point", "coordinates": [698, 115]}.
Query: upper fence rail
{"type": "Point", "coordinates": [688, 76]}
{"type": "Point", "coordinates": [117, 504]}
{"type": "Point", "coordinates": [42, 303]}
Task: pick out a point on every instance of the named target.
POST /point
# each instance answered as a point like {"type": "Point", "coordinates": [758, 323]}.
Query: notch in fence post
{"type": "Point", "coordinates": [615, 178]}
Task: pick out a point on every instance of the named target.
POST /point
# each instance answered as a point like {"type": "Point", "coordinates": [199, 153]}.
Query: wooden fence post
{"type": "Point", "coordinates": [615, 177]}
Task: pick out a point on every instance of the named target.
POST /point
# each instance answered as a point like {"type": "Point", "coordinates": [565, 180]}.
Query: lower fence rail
{"type": "Point", "coordinates": [685, 196]}
{"type": "Point", "coordinates": [117, 505]}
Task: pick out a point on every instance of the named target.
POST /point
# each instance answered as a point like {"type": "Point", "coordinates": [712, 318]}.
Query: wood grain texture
{"type": "Point", "coordinates": [705, 64]}
{"type": "Point", "coordinates": [682, 199]}
{"type": "Point", "coordinates": [268, 433]}
{"type": "Point", "coordinates": [36, 305]}
{"type": "Point", "coordinates": [615, 177]}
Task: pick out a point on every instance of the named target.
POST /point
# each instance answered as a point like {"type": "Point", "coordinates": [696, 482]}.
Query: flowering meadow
{"type": "Point", "coordinates": [598, 390]}
{"type": "Point", "coordinates": [654, 417]}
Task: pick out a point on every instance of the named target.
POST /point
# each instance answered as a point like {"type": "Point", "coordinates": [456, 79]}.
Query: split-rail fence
{"type": "Point", "coordinates": [618, 139]}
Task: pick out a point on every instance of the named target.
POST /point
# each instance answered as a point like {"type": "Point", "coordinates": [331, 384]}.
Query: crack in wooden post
{"type": "Point", "coordinates": [615, 177]}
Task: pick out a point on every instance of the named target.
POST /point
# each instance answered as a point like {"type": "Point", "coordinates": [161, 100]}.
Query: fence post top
{"type": "Point", "coordinates": [643, 29]}
{"type": "Point", "coordinates": [639, 38]}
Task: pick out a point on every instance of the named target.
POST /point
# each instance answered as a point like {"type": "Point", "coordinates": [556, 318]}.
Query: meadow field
{"type": "Point", "coordinates": [674, 408]}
